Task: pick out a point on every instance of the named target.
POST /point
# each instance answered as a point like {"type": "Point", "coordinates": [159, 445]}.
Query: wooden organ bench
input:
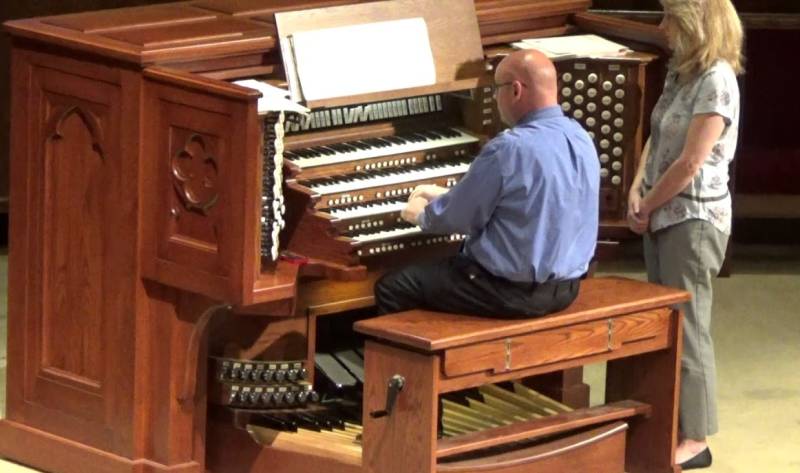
{"type": "Point", "coordinates": [630, 324]}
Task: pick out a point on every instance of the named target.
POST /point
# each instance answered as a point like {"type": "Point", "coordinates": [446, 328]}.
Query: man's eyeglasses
{"type": "Point", "coordinates": [497, 87]}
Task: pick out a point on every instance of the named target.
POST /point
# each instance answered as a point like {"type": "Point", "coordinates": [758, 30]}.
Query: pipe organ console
{"type": "Point", "coordinates": [186, 266]}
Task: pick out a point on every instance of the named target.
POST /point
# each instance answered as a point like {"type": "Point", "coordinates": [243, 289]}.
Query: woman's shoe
{"type": "Point", "coordinates": [701, 460]}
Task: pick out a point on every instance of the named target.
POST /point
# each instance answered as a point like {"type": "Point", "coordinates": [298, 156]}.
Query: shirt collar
{"type": "Point", "coordinates": [541, 114]}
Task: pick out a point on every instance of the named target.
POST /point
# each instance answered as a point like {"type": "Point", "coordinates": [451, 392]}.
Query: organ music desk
{"type": "Point", "coordinates": [161, 229]}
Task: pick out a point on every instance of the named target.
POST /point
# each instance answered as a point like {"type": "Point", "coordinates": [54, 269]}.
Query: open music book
{"type": "Point", "coordinates": [359, 59]}
{"type": "Point", "coordinates": [567, 47]}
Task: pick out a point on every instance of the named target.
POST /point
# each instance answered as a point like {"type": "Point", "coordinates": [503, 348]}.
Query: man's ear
{"type": "Point", "coordinates": [517, 85]}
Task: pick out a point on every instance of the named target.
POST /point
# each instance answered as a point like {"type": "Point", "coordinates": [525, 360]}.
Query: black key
{"type": "Point", "coordinates": [334, 421]}
{"type": "Point", "coordinates": [274, 422]}
{"type": "Point", "coordinates": [422, 138]}
{"type": "Point", "coordinates": [451, 133]}
{"type": "Point", "coordinates": [305, 421]}
{"type": "Point", "coordinates": [322, 150]}
{"type": "Point", "coordinates": [395, 139]}
{"type": "Point", "coordinates": [361, 145]}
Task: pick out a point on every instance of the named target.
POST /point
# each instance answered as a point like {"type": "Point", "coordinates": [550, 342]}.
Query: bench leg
{"type": "Point", "coordinates": [405, 440]}
{"type": "Point", "coordinates": [653, 378]}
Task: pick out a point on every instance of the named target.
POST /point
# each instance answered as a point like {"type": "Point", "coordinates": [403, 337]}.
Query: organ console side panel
{"type": "Point", "coordinates": [74, 276]}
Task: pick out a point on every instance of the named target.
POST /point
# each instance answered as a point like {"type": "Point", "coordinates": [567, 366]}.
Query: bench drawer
{"type": "Point", "coordinates": [560, 344]}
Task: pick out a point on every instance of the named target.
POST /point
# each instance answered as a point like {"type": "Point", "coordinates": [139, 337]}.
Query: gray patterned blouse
{"type": "Point", "coordinates": [706, 197]}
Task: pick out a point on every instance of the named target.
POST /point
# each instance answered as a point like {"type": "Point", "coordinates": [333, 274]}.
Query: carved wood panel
{"type": "Point", "coordinates": [200, 190]}
{"type": "Point", "coordinates": [194, 169]}
{"type": "Point", "coordinates": [194, 173]}
{"type": "Point", "coordinates": [75, 175]}
{"type": "Point", "coordinates": [74, 246]}
{"type": "Point", "coordinates": [76, 184]}
{"type": "Point", "coordinates": [193, 163]}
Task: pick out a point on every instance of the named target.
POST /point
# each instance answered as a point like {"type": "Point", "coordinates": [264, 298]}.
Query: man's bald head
{"type": "Point", "coordinates": [531, 79]}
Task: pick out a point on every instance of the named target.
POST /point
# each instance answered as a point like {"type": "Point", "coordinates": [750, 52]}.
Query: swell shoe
{"type": "Point", "coordinates": [701, 460]}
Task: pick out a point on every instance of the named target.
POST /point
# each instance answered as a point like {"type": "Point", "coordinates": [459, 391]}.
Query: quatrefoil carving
{"type": "Point", "coordinates": [195, 174]}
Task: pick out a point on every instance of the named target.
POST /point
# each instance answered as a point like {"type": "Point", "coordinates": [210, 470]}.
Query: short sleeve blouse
{"type": "Point", "coordinates": [706, 197]}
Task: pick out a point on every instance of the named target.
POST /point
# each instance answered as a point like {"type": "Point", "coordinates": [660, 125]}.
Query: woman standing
{"type": "Point", "coordinates": [679, 199]}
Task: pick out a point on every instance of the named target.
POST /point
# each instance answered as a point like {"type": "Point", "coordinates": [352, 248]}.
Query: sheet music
{"type": "Point", "coordinates": [563, 47]}
{"type": "Point", "coordinates": [360, 59]}
{"type": "Point", "coordinates": [273, 99]}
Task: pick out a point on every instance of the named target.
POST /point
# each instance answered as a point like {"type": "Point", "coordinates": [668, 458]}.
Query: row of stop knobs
{"type": "Point", "coordinates": [258, 398]}
{"type": "Point", "coordinates": [268, 375]}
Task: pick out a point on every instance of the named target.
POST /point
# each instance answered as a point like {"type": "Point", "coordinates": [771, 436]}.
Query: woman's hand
{"type": "Point", "coordinates": [638, 217]}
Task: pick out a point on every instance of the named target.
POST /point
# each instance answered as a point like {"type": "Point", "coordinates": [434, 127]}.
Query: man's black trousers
{"type": "Point", "coordinates": [460, 285]}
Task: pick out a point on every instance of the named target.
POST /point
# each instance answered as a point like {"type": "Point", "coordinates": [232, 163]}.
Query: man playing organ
{"type": "Point", "coordinates": [529, 205]}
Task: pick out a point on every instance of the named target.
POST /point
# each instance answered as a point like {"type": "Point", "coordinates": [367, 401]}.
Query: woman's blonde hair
{"type": "Point", "coordinates": [706, 31]}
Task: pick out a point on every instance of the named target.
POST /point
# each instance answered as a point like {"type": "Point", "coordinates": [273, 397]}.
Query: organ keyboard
{"type": "Point", "coordinates": [373, 148]}
{"type": "Point", "coordinates": [161, 218]}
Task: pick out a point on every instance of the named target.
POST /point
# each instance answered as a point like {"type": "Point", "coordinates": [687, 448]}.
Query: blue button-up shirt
{"type": "Point", "coordinates": [529, 202]}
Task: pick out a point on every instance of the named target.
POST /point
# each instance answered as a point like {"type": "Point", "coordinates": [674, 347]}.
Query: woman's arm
{"type": "Point", "coordinates": [636, 185]}
{"type": "Point", "coordinates": [637, 222]}
{"type": "Point", "coordinates": [704, 131]}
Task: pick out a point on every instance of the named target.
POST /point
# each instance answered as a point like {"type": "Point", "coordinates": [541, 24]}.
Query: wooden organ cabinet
{"type": "Point", "coordinates": [184, 272]}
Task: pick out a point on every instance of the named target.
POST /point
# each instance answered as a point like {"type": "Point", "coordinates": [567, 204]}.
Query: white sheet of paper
{"type": "Point", "coordinates": [273, 99]}
{"type": "Point", "coordinates": [588, 45]}
{"type": "Point", "coordinates": [360, 59]}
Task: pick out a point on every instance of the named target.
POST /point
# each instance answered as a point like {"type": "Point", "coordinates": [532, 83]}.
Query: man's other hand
{"type": "Point", "coordinates": [415, 207]}
{"type": "Point", "coordinates": [427, 192]}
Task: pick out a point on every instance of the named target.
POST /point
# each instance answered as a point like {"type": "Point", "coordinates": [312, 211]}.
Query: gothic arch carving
{"type": "Point", "coordinates": [54, 128]}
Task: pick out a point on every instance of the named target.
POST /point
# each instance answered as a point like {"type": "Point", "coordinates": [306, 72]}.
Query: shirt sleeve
{"type": "Point", "coordinates": [469, 205]}
{"type": "Point", "coordinates": [715, 95]}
